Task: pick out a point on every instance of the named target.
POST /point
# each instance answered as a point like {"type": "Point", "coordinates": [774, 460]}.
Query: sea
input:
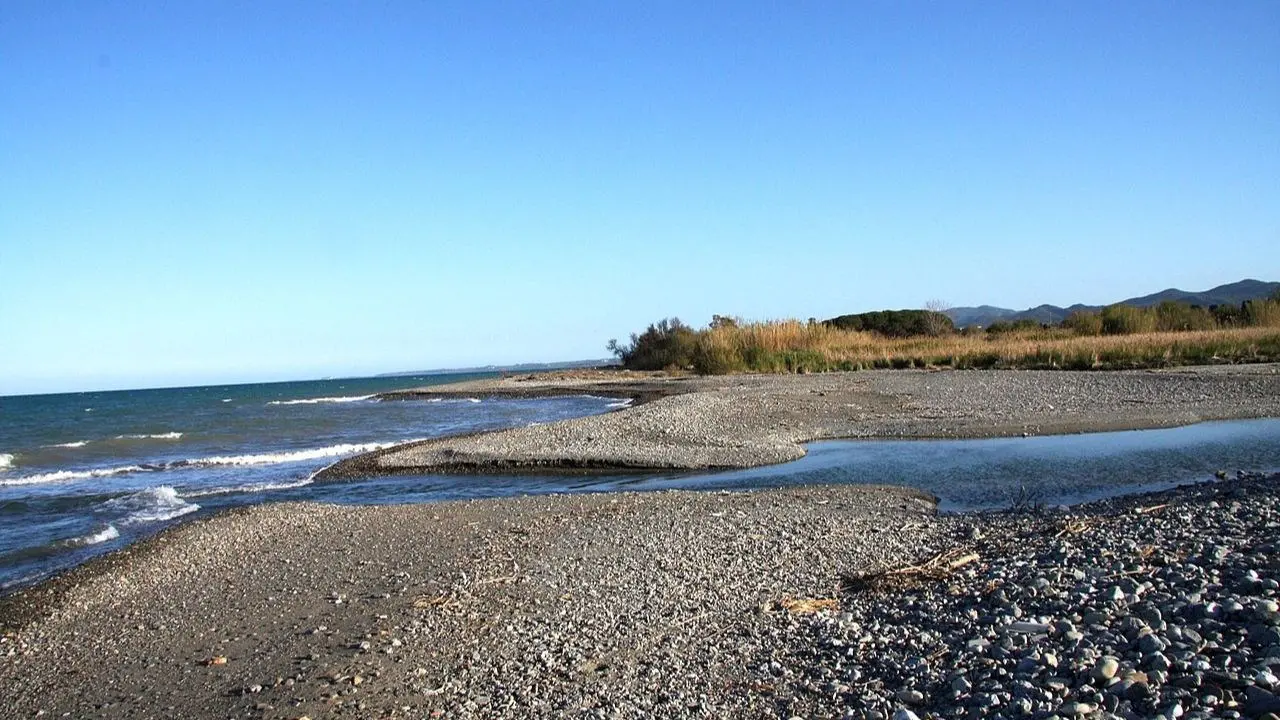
{"type": "Point", "coordinates": [85, 473]}
{"type": "Point", "coordinates": [82, 474]}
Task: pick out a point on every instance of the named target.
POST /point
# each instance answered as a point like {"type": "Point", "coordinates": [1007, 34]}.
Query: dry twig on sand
{"type": "Point", "coordinates": [1074, 527]}
{"type": "Point", "coordinates": [808, 606]}
{"type": "Point", "coordinates": [938, 568]}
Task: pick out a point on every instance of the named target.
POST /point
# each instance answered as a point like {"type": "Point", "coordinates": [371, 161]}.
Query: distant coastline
{"type": "Point", "coordinates": [519, 367]}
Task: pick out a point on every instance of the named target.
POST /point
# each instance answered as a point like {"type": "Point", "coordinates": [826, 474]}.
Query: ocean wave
{"type": "Point", "coordinates": [281, 457]}
{"type": "Point", "coordinates": [24, 580]}
{"type": "Point", "coordinates": [108, 533]}
{"type": "Point", "coordinates": [152, 505]}
{"type": "Point", "coordinates": [313, 401]}
{"type": "Point", "coordinates": [138, 436]}
{"type": "Point", "coordinates": [276, 458]}
{"type": "Point", "coordinates": [252, 487]}
{"type": "Point", "coordinates": [612, 402]}
{"type": "Point", "coordinates": [64, 475]}
{"type": "Point", "coordinates": [154, 436]}
{"type": "Point", "coordinates": [6, 461]}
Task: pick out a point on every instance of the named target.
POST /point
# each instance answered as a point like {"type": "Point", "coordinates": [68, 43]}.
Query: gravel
{"type": "Point", "coordinates": [769, 603]}
{"type": "Point", "coordinates": [1153, 606]}
{"type": "Point", "coordinates": [743, 421]}
{"type": "Point", "coordinates": [629, 605]}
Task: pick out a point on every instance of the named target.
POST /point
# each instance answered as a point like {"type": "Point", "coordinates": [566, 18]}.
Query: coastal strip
{"type": "Point", "coordinates": [736, 421]}
{"type": "Point", "coordinates": [774, 603]}
{"type": "Point", "coordinates": [639, 387]}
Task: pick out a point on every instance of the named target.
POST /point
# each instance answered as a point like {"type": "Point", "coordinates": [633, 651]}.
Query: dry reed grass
{"type": "Point", "coordinates": [793, 346]}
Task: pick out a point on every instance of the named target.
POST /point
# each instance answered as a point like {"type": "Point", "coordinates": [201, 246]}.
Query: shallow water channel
{"type": "Point", "coordinates": [964, 474]}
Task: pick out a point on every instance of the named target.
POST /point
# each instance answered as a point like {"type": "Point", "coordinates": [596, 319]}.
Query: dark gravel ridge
{"type": "Point", "coordinates": [639, 391]}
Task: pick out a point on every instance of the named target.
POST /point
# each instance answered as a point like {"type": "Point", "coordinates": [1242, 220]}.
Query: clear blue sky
{"type": "Point", "coordinates": [230, 191]}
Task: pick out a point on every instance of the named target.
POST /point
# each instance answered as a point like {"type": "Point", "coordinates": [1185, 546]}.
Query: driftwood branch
{"type": "Point", "coordinates": [937, 568]}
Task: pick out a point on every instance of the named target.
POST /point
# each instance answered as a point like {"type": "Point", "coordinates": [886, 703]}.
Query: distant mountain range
{"type": "Point", "coordinates": [522, 367]}
{"type": "Point", "coordinates": [1232, 294]}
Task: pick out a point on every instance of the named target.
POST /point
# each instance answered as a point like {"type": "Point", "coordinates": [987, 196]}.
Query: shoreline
{"type": "Point", "coordinates": [675, 603]}
{"type": "Point", "coordinates": [701, 423]}
{"type": "Point", "coordinates": [639, 387]}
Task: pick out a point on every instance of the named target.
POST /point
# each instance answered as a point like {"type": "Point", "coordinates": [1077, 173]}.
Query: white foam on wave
{"type": "Point", "coordinates": [64, 475]}
{"type": "Point", "coordinates": [226, 399]}
{"type": "Point", "coordinates": [24, 580]}
{"type": "Point", "coordinates": [313, 401]}
{"type": "Point", "coordinates": [612, 402]}
{"type": "Point", "coordinates": [153, 436]}
{"type": "Point", "coordinates": [108, 533]}
{"type": "Point", "coordinates": [138, 436]}
{"type": "Point", "coordinates": [6, 461]}
{"type": "Point", "coordinates": [286, 457]}
{"type": "Point", "coordinates": [152, 505]}
{"type": "Point", "coordinates": [252, 487]}
{"type": "Point", "coordinates": [276, 458]}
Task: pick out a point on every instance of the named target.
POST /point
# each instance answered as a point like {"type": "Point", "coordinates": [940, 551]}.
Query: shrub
{"type": "Point", "coordinates": [1127, 320]}
{"type": "Point", "coordinates": [668, 343]}
{"type": "Point", "coordinates": [1181, 317]}
{"type": "Point", "coordinates": [1262, 313]}
{"type": "Point", "coordinates": [1001, 327]}
{"type": "Point", "coordinates": [895, 323]}
{"type": "Point", "coordinates": [1084, 323]}
{"type": "Point", "coordinates": [1229, 316]}
{"type": "Point", "coordinates": [712, 355]}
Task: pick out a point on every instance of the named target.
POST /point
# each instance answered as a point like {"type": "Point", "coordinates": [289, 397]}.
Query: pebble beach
{"type": "Point", "coordinates": [813, 602]}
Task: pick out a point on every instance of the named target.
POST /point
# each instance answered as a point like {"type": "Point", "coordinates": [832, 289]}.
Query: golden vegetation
{"type": "Point", "coordinates": [791, 346]}
{"type": "Point", "coordinates": [1117, 338]}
